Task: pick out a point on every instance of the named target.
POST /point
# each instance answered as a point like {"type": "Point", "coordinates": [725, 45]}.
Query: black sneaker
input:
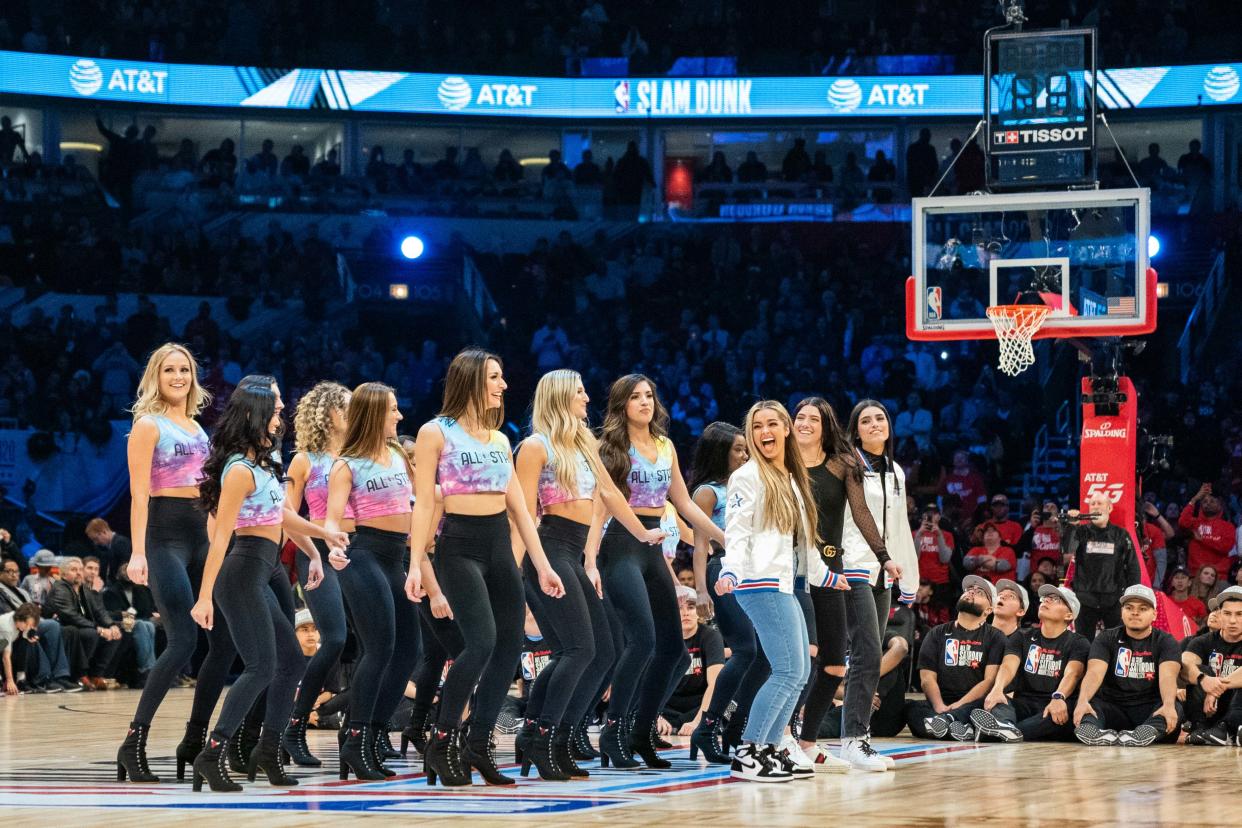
{"type": "Point", "coordinates": [962, 732]}
{"type": "Point", "coordinates": [50, 686]}
{"type": "Point", "coordinates": [1217, 735]}
{"type": "Point", "coordinates": [69, 685]}
{"type": "Point", "coordinates": [1141, 736]}
{"type": "Point", "coordinates": [938, 726]}
{"type": "Point", "coordinates": [1092, 734]}
{"type": "Point", "coordinates": [757, 764]}
{"type": "Point", "coordinates": [29, 689]}
{"type": "Point", "coordinates": [989, 725]}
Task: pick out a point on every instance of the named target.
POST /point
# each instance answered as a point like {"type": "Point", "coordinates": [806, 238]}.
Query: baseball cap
{"type": "Point", "coordinates": [1143, 593]}
{"type": "Point", "coordinates": [1065, 593]}
{"type": "Point", "coordinates": [1023, 596]}
{"type": "Point", "coordinates": [1179, 570]}
{"type": "Point", "coordinates": [44, 557]}
{"type": "Point", "coordinates": [982, 583]}
{"type": "Point", "coordinates": [1233, 593]}
{"type": "Point", "coordinates": [685, 593]}
{"type": "Point", "coordinates": [303, 616]}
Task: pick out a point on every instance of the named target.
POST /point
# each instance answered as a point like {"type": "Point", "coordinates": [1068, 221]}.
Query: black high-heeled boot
{"type": "Point", "coordinates": [706, 738]}
{"type": "Point", "coordinates": [387, 751]}
{"type": "Point", "coordinates": [480, 754]}
{"type": "Point", "coordinates": [540, 754]}
{"type": "Point", "coordinates": [267, 757]}
{"type": "Point", "coordinates": [190, 746]}
{"type": "Point", "coordinates": [659, 741]}
{"type": "Point", "coordinates": [356, 755]}
{"type": "Point", "coordinates": [415, 732]}
{"type": "Point", "coordinates": [442, 760]}
{"type": "Point", "coordinates": [563, 756]}
{"type": "Point", "coordinates": [524, 741]}
{"type": "Point", "coordinates": [212, 764]}
{"type": "Point", "coordinates": [376, 744]}
{"type": "Point", "coordinates": [611, 750]}
{"type": "Point", "coordinates": [131, 756]}
{"type": "Point", "coordinates": [242, 745]}
{"type": "Point", "coordinates": [731, 733]}
{"type": "Point", "coordinates": [642, 741]}
{"type": "Point", "coordinates": [293, 744]}
{"type": "Point", "coordinates": [580, 743]}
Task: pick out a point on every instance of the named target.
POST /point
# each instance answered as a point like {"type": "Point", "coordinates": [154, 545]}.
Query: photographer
{"type": "Point", "coordinates": [935, 548]}
{"type": "Point", "coordinates": [1211, 535]}
{"type": "Point", "coordinates": [1041, 540]}
{"type": "Point", "coordinates": [1102, 563]}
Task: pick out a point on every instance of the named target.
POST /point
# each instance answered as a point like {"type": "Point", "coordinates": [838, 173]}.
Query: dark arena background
{"type": "Point", "coordinates": [965, 272]}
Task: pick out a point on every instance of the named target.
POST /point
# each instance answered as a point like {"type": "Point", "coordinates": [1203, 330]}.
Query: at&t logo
{"type": "Point", "coordinates": [1221, 83]}
{"type": "Point", "coordinates": [85, 77]}
{"type": "Point", "coordinates": [456, 93]}
{"type": "Point", "coordinates": [845, 95]}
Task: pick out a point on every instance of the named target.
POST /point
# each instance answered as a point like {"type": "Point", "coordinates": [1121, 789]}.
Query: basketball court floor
{"type": "Point", "coordinates": [56, 769]}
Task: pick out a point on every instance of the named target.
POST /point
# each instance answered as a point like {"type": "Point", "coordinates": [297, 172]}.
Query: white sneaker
{"type": "Point", "coordinates": [859, 755]}
{"type": "Point", "coordinates": [757, 764]}
{"type": "Point", "coordinates": [824, 761]}
{"type": "Point", "coordinates": [889, 762]}
{"type": "Point", "coordinates": [797, 762]}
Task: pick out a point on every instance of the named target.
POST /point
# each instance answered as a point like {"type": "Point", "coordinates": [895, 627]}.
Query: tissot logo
{"type": "Point", "coordinates": [1055, 135]}
{"type": "Point", "coordinates": [1009, 136]}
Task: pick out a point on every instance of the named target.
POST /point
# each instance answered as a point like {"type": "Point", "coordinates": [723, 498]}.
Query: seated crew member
{"type": "Point", "coordinates": [1212, 669]}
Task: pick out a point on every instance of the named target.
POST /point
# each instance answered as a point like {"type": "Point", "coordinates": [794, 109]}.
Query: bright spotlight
{"type": "Point", "coordinates": [412, 247]}
{"type": "Point", "coordinates": [1153, 246]}
{"type": "Point", "coordinates": [944, 355]}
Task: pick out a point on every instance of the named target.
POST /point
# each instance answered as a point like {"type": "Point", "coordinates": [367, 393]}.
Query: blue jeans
{"type": "Point", "coordinates": [49, 652]}
{"type": "Point", "coordinates": [781, 627]}
{"type": "Point", "coordinates": [144, 644]}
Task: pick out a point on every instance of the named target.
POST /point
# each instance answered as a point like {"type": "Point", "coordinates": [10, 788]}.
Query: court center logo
{"type": "Point", "coordinates": [86, 77]}
{"type": "Point", "coordinates": [1221, 83]}
{"type": "Point", "coordinates": [845, 95]}
{"type": "Point", "coordinates": [454, 93]}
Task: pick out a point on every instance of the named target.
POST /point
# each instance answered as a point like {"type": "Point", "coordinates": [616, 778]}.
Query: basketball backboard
{"type": "Point", "coordinates": [1084, 253]}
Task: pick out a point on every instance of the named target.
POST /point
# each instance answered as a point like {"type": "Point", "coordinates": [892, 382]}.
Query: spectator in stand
{"type": "Point", "coordinates": [717, 172]}
{"type": "Point", "coordinates": [296, 163]}
{"type": "Point", "coordinates": [327, 166]}
{"type": "Point", "coordinates": [752, 170]}
{"type": "Point", "coordinates": [1206, 584]}
{"type": "Point", "coordinates": [377, 167]}
{"type": "Point", "coordinates": [1212, 670]}
{"type": "Point", "coordinates": [134, 604]}
{"type": "Point", "coordinates": [993, 559]}
{"type": "Point", "coordinates": [1010, 530]}
{"type": "Point", "coordinates": [693, 692]}
{"type": "Point", "coordinates": [588, 173]}
{"type": "Point", "coordinates": [882, 172]}
{"type": "Point", "coordinates": [963, 481]}
{"type": "Point", "coordinates": [1212, 537]}
{"type": "Point", "coordinates": [922, 165]}
{"type": "Point", "coordinates": [38, 584]}
{"type": "Point", "coordinates": [10, 552]}
{"type": "Point", "coordinates": [550, 345]}
{"type": "Point", "coordinates": [797, 163]}
{"type": "Point", "coordinates": [1179, 591]}
{"type": "Point", "coordinates": [916, 421]}
{"type": "Point", "coordinates": [935, 548]}
{"type": "Point", "coordinates": [508, 170]}
{"type": "Point", "coordinates": [265, 161]}
{"type": "Point", "coordinates": [219, 165]}
{"type": "Point", "coordinates": [556, 169]}
{"type": "Point", "coordinates": [1103, 563]}
{"type": "Point", "coordinates": [1042, 539]}
{"type": "Point", "coordinates": [631, 174]}
{"type": "Point", "coordinates": [114, 549]}
{"type": "Point", "coordinates": [36, 643]}
{"type": "Point", "coordinates": [1194, 167]}
{"type": "Point", "coordinates": [12, 596]}
{"type": "Point", "coordinates": [11, 142]}
{"type": "Point", "coordinates": [970, 168]}
{"type": "Point", "coordinates": [1153, 171]}
{"type": "Point", "coordinates": [93, 636]}
{"type": "Point", "coordinates": [91, 579]}
{"type": "Point", "coordinates": [1154, 538]}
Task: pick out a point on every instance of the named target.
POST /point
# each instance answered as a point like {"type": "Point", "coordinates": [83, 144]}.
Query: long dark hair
{"type": "Point", "coordinates": [614, 436]}
{"type": "Point", "coordinates": [711, 454]}
{"type": "Point", "coordinates": [857, 441]}
{"type": "Point", "coordinates": [263, 381]}
{"type": "Point", "coordinates": [833, 441]}
{"type": "Point", "coordinates": [465, 389]}
{"type": "Point", "coordinates": [242, 429]}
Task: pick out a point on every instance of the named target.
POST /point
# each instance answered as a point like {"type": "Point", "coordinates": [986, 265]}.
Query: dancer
{"type": "Point", "coordinates": [561, 476]}
{"type": "Point", "coordinates": [837, 483]}
{"type": "Point", "coordinates": [642, 463]}
{"type": "Point", "coordinates": [319, 425]}
{"type": "Point", "coordinates": [371, 479]}
{"type": "Point", "coordinates": [870, 572]}
{"type": "Point", "coordinates": [771, 528]}
{"type": "Point", "coordinates": [721, 450]}
{"type": "Point", "coordinates": [475, 564]}
{"type": "Point", "coordinates": [242, 487]}
{"type": "Point", "coordinates": [166, 451]}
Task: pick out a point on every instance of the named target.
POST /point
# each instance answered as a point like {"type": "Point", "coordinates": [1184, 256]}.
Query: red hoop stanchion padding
{"type": "Point", "coordinates": [1015, 325]}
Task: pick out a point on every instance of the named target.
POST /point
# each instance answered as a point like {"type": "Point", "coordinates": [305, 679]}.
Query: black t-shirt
{"type": "Point", "coordinates": [959, 656]}
{"type": "Point", "coordinates": [1043, 661]}
{"type": "Point", "coordinates": [1217, 656]}
{"type": "Point", "coordinates": [829, 492]}
{"type": "Point", "coordinates": [535, 655]}
{"type": "Point", "coordinates": [706, 649]}
{"type": "Point", "coordinates": [1133, 675]}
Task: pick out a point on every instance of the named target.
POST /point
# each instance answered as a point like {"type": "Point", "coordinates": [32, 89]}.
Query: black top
{"type": "Point", "coordinates": [1105, 562]}
{"type": "Point", "coordinates": [1133, 675]}
{"type": "Point", "coordinates": [959, 657]}
{"type": "Point", "coordinates": [706, 648]}
{"type": "Point", "coordinates": [829, 492]}
{"type": "Point", "coordinates": [1217, 656]}
{"type": "Point", "coordinates": [1043, 661]}
{"type": "Point", "coordinates": [536, 652]}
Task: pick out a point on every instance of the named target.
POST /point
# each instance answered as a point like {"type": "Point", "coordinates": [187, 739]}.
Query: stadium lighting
{"type": "Point", "coordinates": [1153, 246]}
{"type": "Point", "coordinates": [412, 247]}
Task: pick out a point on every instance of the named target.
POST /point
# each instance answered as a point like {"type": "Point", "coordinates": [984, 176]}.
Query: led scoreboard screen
{"type": "Point", "coordinates": [1041, 110]}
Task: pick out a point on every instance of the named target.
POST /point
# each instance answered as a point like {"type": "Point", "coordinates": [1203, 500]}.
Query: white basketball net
{"type": "Point", "coordinates": [1015, 325]}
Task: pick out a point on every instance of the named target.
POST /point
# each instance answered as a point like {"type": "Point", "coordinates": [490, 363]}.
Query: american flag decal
{"type": "Point", "coordinates": [1121, 306]}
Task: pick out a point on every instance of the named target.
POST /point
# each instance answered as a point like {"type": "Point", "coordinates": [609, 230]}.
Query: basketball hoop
{"type": "Point", "coordinates": [1015, 325]}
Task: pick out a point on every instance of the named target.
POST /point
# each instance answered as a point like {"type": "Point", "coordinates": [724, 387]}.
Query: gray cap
{"type": "Point", "coordinates": [685, 593]}
{"type": "Point", "coordinates": [44, 557]}
{"type": "Point", "coordinates": [1142, 593]}
{"type": "Point", "coordinates": [1019, 590]}
{"type": "Point", "coordinates": [303, 616]}
{"type": "Point", "coordinates": [981, 582]}
{"type": "Point", "coordinates": [1233, 593]}
{"type": "Point", "coordinates": [1065, 594]}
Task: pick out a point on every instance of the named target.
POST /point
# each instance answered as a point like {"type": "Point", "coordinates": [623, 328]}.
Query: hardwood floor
{"type": "Point", "coordinates": [56, 768]}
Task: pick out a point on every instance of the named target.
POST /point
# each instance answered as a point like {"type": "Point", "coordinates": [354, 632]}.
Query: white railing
{"type": "Point", "coordinates": [1199, 323]}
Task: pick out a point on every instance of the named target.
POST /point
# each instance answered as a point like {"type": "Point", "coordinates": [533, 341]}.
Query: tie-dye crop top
{"type": "Point", "coordinates": [316, 491]}
{"type": "Point", "coordinates": [467, 466]}
{"type": "Point", "coordinates": [550, 490]}
{"type": "Point", "coordinates": [265, 505]}
{"type": "Point", "coordinates": [649, 481]}
{"type": "Point", "coordinates": [718, 511]}
{"type": "Point", "coordinates": [379, 491]}
{"type": "Point", "coordinates": [178, 457]}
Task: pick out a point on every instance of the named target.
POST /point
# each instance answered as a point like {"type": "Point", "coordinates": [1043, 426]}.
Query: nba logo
{"type": "Point", "coordinates": [1123, 662]}
{"type": "Point", "coordinates": [1216, 661]}
{"type": "Point", "coordinates": [528, 666]}
{"type": "Point", "coordinates": [1032, 659]}
{"type": "Point", "coordinates": [621, 96]}
{"type": "Point", "coordinates": [934, 305]}
{"type": "Point", "coordinates": [950, 653]}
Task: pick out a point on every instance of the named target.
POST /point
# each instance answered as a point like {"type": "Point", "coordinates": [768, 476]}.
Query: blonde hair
{"type": "Point", "coordinates": [312, 423]}
{"type": "Point", "coordinates": [149, 400]}
{"type": "Point", "coordinates": [780, 507]}
{"type": "Point", "coordinates": [552, 416]}
{"type": "Point", "coordinates": [465, 389]}
{"type": "Point", "coordinates": [368, 410]}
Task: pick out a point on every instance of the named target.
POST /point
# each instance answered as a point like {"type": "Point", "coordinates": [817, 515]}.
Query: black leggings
{"type": "Point", "coordinates": [385, 621]}
{"type": "Point", "coordinates": [481, 581]}
{"type": "Point", "coordinates": [745, 670]}
{"type": "Point", "coordinates": [441, 642]}
{"type": "Point", "coordinates": [327, 607]}
{"type": "Point", "coordinates": [830, 639]}
{"type": "Point", "coordinates": [262, 631]}
{"type": "Point", "coordinates": [576, 627]}
{"type": "Point", "coordinates": [638, 583]}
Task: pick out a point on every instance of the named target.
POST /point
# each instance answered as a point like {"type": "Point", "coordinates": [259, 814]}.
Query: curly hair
{"type": "Point", "coordinates": [312, 422]}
